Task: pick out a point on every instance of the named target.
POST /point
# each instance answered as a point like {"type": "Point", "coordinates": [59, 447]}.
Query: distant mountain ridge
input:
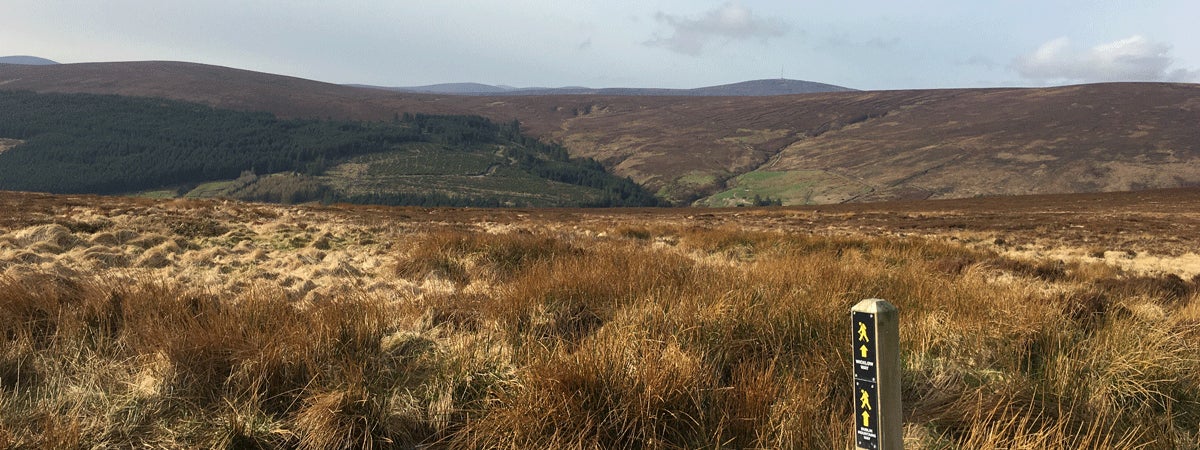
{"type": "Point", "coordinates": [753, 88]}
{"type": "Point", "coordinates": [26, 60]}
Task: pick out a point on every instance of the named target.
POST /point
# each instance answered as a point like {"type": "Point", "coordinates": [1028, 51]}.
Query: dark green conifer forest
{"type": "Point", "coordinates": [107, 144]}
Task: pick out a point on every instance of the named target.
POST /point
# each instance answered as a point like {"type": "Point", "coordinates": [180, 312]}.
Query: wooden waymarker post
{"type": "Point", "coordinates": [878, 424]}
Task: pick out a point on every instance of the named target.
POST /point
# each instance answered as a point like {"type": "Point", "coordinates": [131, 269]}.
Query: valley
{"type": "Point", "coordinates": [1039, 243]}
{"type": "Point", "coordinates": [834, 147]}
{"type": "Point", "coordinates": [713, 225]}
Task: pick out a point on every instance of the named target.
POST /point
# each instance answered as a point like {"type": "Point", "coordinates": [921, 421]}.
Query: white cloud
{"type": "Point", "coordinates": [1131, 59]}
{"type": "Point", "coordinates": [731, 21]}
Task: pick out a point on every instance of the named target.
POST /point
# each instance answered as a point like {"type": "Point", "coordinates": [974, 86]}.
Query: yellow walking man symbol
{"type": "Point", "coordinates": [862, 332]}
{"type": "Point", "coordinates": [865, 399]}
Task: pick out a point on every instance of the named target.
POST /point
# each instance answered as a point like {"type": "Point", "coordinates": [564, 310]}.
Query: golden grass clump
{"type": "Point", "coordinates": [655, 336]}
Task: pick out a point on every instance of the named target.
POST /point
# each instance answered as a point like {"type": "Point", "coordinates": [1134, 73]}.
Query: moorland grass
{"type": "Point", "coordinates": [647, 337]}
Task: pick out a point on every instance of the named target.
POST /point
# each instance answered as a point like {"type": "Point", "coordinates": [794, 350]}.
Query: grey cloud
{"type": "Point", "coordinates": [1131, 59]}
{"type": "Point", "coordinates": [731, 21]}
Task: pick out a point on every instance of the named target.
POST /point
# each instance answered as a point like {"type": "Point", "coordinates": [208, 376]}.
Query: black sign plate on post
{"type": "Point", "coordinates": [866, 381]}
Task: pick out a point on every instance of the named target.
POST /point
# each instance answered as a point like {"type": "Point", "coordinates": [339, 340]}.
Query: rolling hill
{"type": "Point", "coordinates": [754, 88]}
{"type": "Point", "coordinates": [808, 148]}
{"type": "Point", "coordinates": [109, 144]}
{"type": "Point", "coordinates": [26, 60]}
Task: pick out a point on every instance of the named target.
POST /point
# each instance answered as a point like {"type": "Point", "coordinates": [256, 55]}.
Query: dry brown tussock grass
{"type": "Point", "coordinates": [328, 328]}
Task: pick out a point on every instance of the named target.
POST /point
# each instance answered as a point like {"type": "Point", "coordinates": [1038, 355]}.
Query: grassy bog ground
{"type": "Point", "coordinates": [182, 324]}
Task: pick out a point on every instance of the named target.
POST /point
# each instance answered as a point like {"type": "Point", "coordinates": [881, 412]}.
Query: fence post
{"type": "Point", "coordinates": [878, 424]}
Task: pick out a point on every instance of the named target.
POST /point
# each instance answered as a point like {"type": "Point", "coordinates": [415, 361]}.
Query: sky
{"type": "Point", "coordinates": [866, 44]}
